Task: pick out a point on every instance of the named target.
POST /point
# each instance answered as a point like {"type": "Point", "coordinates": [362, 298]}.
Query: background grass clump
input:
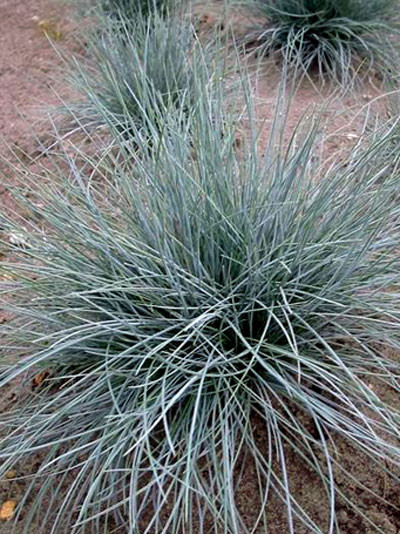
{"type": "Point", "coordinates": [129, 10]}
{"type": "Point", "coordinates": [136, 76]}
{"type": "Point", "coordinates": [203, 288]}
{"type": "Point", "coordinates": [339, 39]}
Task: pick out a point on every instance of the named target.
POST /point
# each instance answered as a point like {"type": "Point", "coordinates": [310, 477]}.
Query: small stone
{"type": "Point", "coordinates": [7, 510]}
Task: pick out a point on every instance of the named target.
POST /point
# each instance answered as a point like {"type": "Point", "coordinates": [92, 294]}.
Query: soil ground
{"type": "Point", "coordinates": [28, 74]}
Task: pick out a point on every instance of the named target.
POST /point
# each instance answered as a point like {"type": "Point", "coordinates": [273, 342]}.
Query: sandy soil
{"type": "Point", "coordinates": [28, 70]}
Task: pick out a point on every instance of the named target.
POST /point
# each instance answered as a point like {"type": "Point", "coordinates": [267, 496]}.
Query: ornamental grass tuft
{"type": "Point", "coordinates": [137, 75]}
{"type": "Point", "coordinates": [203, 295]}
{"type": "Point", "coordinates": [129, 10]}
{"type": "Point", "coordinates": [340, 40]}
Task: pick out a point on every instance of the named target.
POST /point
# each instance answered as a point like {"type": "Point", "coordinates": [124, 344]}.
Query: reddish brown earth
{"type": "Point", "coordinates": [28, 71]}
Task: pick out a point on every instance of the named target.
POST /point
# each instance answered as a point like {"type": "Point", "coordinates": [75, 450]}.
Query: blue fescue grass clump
{"type": "Point", "coordinates": [199, 289]}
{"type": "Point", "coordinates": [337, 39]}
{"type": "Point", "coordinates": [126, 11]}
{"type": "Point", "coordinates": [129, 10]}
{"type": "Point", "coordinates": [137, 75]}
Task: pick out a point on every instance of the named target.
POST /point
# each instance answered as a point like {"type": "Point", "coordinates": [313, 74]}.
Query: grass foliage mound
{"type": "Point", "coordinates": [129, 10]}
{"type": "Point", "coordinates": [338, 38]}
{"type": "Point", "coordinates": [136, 76]}
{"type": "Point", "coordinates": [203, 291]}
